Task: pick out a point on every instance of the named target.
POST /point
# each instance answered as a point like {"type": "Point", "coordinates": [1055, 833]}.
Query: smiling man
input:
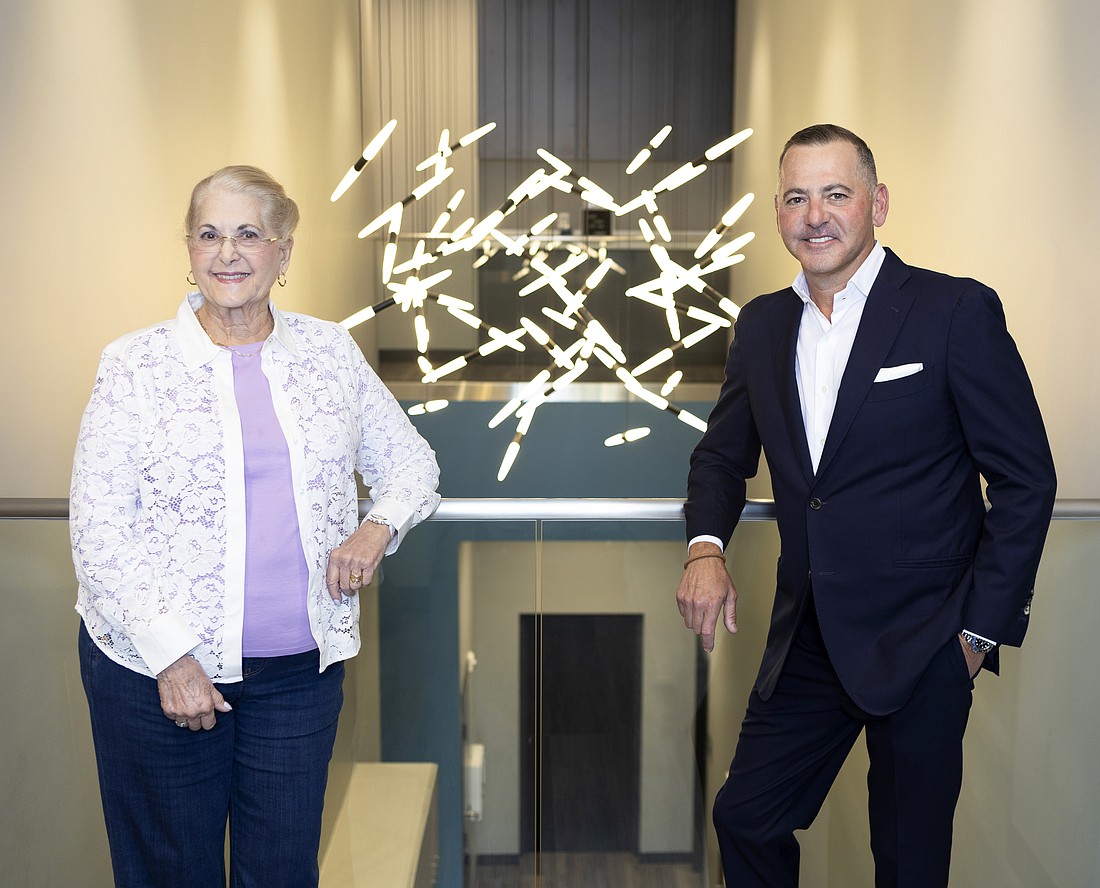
{"type": "Point", "coordinates": [881, 395]}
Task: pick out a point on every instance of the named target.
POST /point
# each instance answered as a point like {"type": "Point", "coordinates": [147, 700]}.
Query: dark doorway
{"type": "Point", "coordinates": [580, 756]}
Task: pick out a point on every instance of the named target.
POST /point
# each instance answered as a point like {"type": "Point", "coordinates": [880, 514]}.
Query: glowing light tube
{"type": "Point", "coordinates": [679, 177]}
{"type": "Point", "coordinates": [373, 147]}
{"type": "Point", "coordinates": [427, 407]}
{"type": "Point", "coordinates": [431, 183]}
{"type": "Point", "coordinates": [729, 307]}
{"type": "Point", "coordinates": [446, 369]}
{"type": "Point", "coordinates": [656, 360]}
{"type": "Point", "coordinates": [536, 332]}
{"type": "Point", "coordinates": [727, 144]}
{"type": "Point", "coordinates": [392, 216]}
{"type": "Point", "coordinates": [472, 137]}
{"type": "Point", "coordinates": [570, 376]}
{"type": "Point", "coordinates": [566, 322]}
{"type": "Point", "coordinates": [701, 315]}
{"type": "Point", "coordinates": [451, 302]}
{"type": "Point", "coordinates": [364, 314]}
{"type": "Point", "coordinates": [559, 165]}
{"type": "Point", "coordinates": [699, 335]}
{"type": "Point", "coordinates": [673, 321]}
{"type": "Point", "coordinates": [671, 383]}
{"type": "Point", "coordinates": [509, 458]}
{"type": "Point", "coordinates": [735, 245]}
{"type": "Point", "coordinates": [692, 420]}
{"type": "Point", "coordinates": [504, 412]}
{"type": "Point", "coordinates": [642, 199]}
{"type": "Point", "coordinates": [388, 256]}
{"type": "Point", "coordinates": [420, 326]}
{"type": "Point", "coordinates": [627, 436]}
{"type": "Point", "coordinates": [640, 158]}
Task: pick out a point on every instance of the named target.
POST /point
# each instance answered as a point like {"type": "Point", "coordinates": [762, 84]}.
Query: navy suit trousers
{"type": "Point", "coordinates": [792, 747]}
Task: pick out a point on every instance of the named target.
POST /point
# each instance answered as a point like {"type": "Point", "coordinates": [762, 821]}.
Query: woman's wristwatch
{"type": "Point", "coordinates": [375, 518]}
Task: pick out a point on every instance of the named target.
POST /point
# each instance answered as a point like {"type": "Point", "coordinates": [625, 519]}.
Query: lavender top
{"type": "Point", "coordinates": [276, 580]}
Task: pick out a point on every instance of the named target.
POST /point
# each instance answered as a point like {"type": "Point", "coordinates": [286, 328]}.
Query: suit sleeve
{"type": "Point", "coordinates": [1005, 435]}
{"type": "Point", "coordinates": [727, 455]}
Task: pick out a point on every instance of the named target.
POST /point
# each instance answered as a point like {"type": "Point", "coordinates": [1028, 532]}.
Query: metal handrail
{"type": "Point", "coordinates": [534, 509]}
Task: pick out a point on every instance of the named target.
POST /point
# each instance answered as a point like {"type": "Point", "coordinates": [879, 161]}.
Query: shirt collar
{"type": "Point", "coordinates": [863, 279]}
{"type": "Point", "coordinates": [196, 345]}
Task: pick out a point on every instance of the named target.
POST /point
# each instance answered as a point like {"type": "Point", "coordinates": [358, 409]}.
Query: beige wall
{"type": "Point", "coordinates": [984, 121]}
{"type": "Point", "coordinates": [111, 111]}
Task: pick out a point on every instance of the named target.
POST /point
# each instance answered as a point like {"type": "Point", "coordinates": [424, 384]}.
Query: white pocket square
{"type": "Point", "coordinates": [899, 372]}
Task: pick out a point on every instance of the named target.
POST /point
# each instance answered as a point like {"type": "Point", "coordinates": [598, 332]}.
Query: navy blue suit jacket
{"type": "Point", "coordinates": [892, 530]}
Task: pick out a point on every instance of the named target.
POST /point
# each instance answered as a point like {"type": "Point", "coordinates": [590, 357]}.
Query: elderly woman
{"type": "Point", "coordinates": [215, 534]}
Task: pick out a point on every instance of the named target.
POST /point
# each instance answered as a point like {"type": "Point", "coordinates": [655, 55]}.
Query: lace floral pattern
{"type": "Point", "coordinates": [157, 500]}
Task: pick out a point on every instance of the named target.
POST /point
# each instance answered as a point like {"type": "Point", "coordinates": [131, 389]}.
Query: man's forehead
{"type": "Point", "coordinates": [805, 166]}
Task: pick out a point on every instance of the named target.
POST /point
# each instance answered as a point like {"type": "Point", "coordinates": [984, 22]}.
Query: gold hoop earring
{"type": "Point", "coordinates": [282, 279]}
{"type": "Point", "coordinates": [191, 279]}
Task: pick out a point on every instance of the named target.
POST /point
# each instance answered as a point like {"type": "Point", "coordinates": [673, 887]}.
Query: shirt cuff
{"type": "Point", "coordinates": [981, 637]}
{"type": "Point", "coordinates": [707, 538]}
{"type": "Point", "coordinates": [164, 640]}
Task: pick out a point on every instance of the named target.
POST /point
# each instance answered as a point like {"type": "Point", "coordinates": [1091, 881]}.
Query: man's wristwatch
{"type": "Point", "coordinates": [977, 644]}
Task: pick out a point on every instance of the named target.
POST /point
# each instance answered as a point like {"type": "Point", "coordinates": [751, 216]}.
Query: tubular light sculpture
{"type": "Point", "coordinates": [588, 339]}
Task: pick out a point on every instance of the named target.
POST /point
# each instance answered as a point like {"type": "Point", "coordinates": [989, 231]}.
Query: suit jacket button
{"type": "Point", "coordinates": [815, 504]}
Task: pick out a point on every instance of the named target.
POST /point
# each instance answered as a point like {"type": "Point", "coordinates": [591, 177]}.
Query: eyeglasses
{"type": "Point", "coordinates": [245, 242]}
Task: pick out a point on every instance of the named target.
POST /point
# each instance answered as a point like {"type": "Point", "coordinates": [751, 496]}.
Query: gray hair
{"type": "Point", "coordinates": [827, 133]}
{"type": "Point", "coordinates": [279, 214]}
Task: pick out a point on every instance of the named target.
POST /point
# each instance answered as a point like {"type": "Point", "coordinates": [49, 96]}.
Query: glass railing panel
{"type": "Point", "coordinates": [1028, 812]}
{"type": "Point", "coordinates": [53, 829]}
{"type": "Point", "coordinates": [451, 686]}
{"type": "Point", "coordinates": [613, 762]}
{"type": "Point", "coordinates": [644, 719]}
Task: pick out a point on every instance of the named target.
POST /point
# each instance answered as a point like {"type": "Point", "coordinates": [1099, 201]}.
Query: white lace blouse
{"type": "Point", "coordinates": [157, 500]}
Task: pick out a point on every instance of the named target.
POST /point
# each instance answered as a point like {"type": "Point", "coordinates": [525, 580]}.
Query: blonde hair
{"type": "Point", "coordinates": [279, 214]}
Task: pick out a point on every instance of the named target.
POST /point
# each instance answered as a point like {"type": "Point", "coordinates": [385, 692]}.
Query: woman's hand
{"type": "Point", "coordinates": [187, 695]}
{"type": "Point", "coordinates": [352, 564]}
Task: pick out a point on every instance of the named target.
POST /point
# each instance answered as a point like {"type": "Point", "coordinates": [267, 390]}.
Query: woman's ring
{"type": "Point", "coordinates": [181, 724]}
{"type": "Point", "coordinates": [356, 578]}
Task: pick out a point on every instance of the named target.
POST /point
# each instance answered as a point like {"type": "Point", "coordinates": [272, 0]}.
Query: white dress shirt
{"type": "Point", "coordinates": [824, 345]}
{"type": "Point", "coordinates": [821, 355]}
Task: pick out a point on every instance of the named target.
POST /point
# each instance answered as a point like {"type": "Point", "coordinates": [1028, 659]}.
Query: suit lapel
{"type": "Point", "coordinates": [785, 344]}
{"type": "Point", "coordinates": [885, 311]}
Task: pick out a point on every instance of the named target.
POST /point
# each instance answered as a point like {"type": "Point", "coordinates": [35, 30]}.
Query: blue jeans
{"type": "Point", "coordinates": [168, 792]}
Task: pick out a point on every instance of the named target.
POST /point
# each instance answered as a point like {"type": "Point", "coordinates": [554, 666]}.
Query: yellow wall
{"type": "Point", "coordinates": [984, 122]}
{"type": "Point", "coordinates": [110, 112]}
